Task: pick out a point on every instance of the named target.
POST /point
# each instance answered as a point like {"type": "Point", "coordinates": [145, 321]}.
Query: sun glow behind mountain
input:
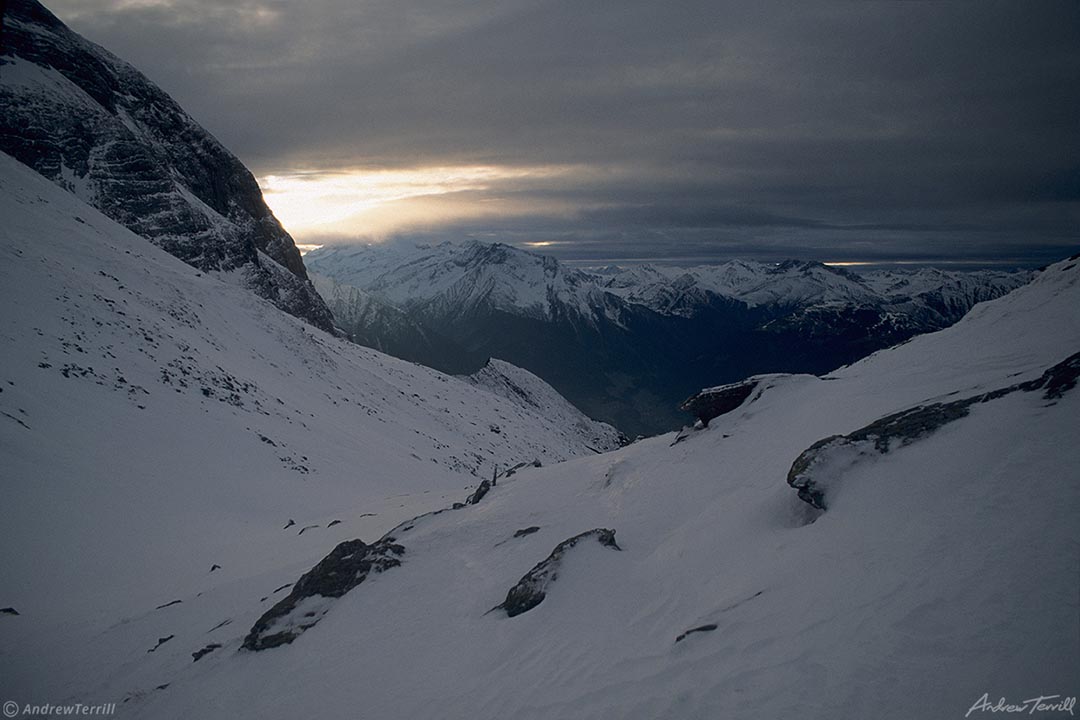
{"type": "Point", "coordinates": [314, 204]}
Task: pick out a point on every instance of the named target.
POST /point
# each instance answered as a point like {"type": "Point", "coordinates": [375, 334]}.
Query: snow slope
{"type": "Point", "coordinates": [156, 422]}
{"type": "Point", "coordinates": [522, 387]}
{"type": "Point", "coordinates": [942, 569]}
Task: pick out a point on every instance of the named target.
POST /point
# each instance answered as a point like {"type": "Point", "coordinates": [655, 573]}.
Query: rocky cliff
{"type": "Point", "coordinates": [96, 126]}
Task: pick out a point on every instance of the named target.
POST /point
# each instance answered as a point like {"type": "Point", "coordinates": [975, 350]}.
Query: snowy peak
{"type": "Point", "coordinates": [792, 284]}
{"type": "Point", "coordinates": [458, 278]}
{"type": "Point", "coordinates": [97, 127]}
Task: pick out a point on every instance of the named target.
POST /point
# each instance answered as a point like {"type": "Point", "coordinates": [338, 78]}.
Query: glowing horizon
{"type": "Point", "coordinates": [374, 202]}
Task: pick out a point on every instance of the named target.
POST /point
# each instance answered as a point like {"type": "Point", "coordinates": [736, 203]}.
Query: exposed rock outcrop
{"type": "Point", "coordinates": [701, 628]}
{"type": "Point", "coordinates": [477, 495]}
{"type": "Point", "coordinates": [199, 654]}
{"type": "Point", "coordinates": [531, 589]}
{"type": "Point", "coordinates": [714, 402]}
{"type": "Point", "coordinates": [161, 641]}
{"type": "Point", "coordinates": [818, 467]}
{"type": "Point", "coordinates": [347, 565]}
{"type": "Point", "coordinates": [96, 126]}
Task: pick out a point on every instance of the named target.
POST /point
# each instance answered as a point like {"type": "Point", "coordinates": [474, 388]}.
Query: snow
{"type": "Point", "coordinates": [453, 277]}
{"type": "Point", "coordinates": [521, 386]}
{"type": "Point", "coordinates": [941, 570]}
{"type": "Point", "coordinates": [156, 421]}
{"type": "Point", "coordinates": [456, 277]}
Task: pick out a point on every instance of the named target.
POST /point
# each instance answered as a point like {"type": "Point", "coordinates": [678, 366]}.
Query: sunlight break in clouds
{"type": "Point", "coordinates": [377, 202]}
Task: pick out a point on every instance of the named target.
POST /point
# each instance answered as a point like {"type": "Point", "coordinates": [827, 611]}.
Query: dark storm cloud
{"type": "Point", "coordinates": [815, 128]}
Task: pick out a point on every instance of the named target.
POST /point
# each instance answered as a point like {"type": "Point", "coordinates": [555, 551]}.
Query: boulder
{"type": "Point", "coordinates": [531, 589]}
{"type": "Point", "coordinates": [347, 565]}
{"type": "Point", "coordinates": [716, 401]}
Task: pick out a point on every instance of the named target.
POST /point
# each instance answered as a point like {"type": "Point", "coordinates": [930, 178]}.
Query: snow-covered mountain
{"type": "Point", "coordinates": [627, 344]}
{"type": "Point", "coordinates": [452, 279]}
{"type": "Point", "coordinates": [805, 285]}
{"type": "Point", "coordinates": [156, 520]}
{"type": "Point", "coordinates": [522, 387]}
{"type": "Point", "coordinates": [375, 323]}
{"type": "Point", "coordinates": [790, 283]}
{"type": "Point", "coordinates": [96, 126]}
{"type": "Point", "coordinates": [165, 435]}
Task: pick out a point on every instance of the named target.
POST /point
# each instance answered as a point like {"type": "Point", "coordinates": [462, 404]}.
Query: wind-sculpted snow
{"type": "Point", "coordinates": [96, 126]}
{"type": "Point", "coordinates": [820, 469]}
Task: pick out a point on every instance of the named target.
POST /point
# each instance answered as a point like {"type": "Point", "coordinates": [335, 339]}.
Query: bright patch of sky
{"type": "Point", "coordinates": [374, 203]}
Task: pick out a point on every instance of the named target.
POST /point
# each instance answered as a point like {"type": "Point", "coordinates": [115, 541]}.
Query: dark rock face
{"type": "Point", "coordinates": [531, 589]}
{"type": "Point", "coordinates": [94, 125]}
{"type": "Point", "coordinates": [347, 565]}
{"type": "Point", "coordinates": [198, 654]}
{"type": "Point", "coordinates": [701, 628]}
{"type": "Point", "coordinates": [1058, 380]}
{"type": "Point", "coordinates": [161, 641]}
{"type": "Point", "coordinates": [481, 490]}
{"type": "Point", "coordinates": [717, 401]}
{"type": "Point", "coordinates": [526, 531]}
{"type": "Point", "coordinates": [8, 611]}
{"type": "Point", "coordinates": [813, 471]}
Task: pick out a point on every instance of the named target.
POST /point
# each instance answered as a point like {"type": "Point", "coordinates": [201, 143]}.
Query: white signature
{"type": "Point", "coordinates": [1043, 703]}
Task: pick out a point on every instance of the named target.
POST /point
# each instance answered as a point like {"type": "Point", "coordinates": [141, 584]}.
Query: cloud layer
{"type": "Point", "coordinates": [871, 129]}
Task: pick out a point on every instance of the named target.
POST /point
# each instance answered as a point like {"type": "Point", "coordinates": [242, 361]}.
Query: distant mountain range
{"type": "Point", "coordinates": [626, 344]}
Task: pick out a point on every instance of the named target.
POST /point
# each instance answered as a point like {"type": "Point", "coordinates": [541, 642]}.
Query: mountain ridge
{"type": "Point", "coordinates": [96, 126]}
{"type": "Point", "coordinates": [628, 344]}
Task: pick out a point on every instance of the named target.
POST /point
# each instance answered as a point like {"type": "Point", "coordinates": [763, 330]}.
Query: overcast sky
{"type": "Point", "coordinates": [621, 129]}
